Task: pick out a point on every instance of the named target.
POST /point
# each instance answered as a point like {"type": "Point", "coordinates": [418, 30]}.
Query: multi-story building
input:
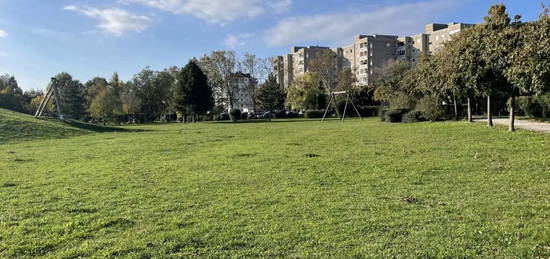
{"type": "Point", "coordinates": [369, 55]}
{"type": "Point", "coordinates": [297, 62]}
{"type": "Point", "coordinates": [242, 95]}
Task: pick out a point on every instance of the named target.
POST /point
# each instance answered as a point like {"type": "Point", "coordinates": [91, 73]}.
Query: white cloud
{"type": "Point", "coordinates": [400, 19]}
{"type": "Point", "coordinates": [3, 34]}
{"type": "Point", "coordinates": [114, 20]}
{"type": "Point", "coordinates": [216, 11]}
{"type": "Point", "coordinates": [233, 41]}
{"type": "Point", "coordinates": [279, 6]}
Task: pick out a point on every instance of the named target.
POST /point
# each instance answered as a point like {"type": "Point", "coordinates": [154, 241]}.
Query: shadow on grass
{"type": "Point", "coordinates": [92, 127]}
{"type": "Point", "coordinates": [98, 128]}
{"type": "Point", "coordinates": [265, 121]}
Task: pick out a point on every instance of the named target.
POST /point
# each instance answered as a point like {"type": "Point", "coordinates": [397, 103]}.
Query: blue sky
{"type": "Point", "coordinates": [87, 38]}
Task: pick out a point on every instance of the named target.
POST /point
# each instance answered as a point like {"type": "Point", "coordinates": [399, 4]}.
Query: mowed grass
{"type": "Point", "coordinates": [280, 189]}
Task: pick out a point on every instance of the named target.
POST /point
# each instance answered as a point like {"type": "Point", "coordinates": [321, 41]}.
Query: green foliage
{"type": "Point", "coordinates": [413, 116]}
{"type": "Point", "coordinates": [294, 189]}
{"type": "Point", "coordinates": [71, 93]}
{"type": "Point", "coordinates": [192, 94]}
{"type": "Point", "coordinates": [153, 89]}
{"type": "Point", "coordinates": [431, 108]}
{"type": "Point", "coordinates": [11, 96]}
{"type": "Point", "coordinates": [306, 93]}
{"type": "Point", "coordinates": [270, 95]}
{"type": "Point", "coordinates": [106, 105]}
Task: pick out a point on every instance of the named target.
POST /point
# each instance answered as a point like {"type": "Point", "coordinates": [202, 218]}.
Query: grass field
{"type": "Point", "coordinates": [286, 188]}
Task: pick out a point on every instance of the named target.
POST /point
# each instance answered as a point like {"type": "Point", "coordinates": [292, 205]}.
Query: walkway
{"type": "Point", "coordinates": [521, 124]}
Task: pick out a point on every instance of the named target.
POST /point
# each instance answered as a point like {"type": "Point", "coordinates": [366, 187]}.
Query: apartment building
{"type": "Point", "coordinates": [297, 62]}
{"type": "Point", "coordinates": [369, 55]}
{"type": "Point", "coordinates": [242, 97]}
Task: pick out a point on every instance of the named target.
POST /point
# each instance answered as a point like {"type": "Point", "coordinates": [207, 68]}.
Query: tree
{"type": "Point", "coordinates": [93, 88]}
{"type": "Point", "coordinates": [306, 93]}
{"type": "Point", "coordinates": [11, 96]}
{"type": "Point", "coordinates": [392, 86]}
{"type": "Point", "coordinates": [192, 95]}
{"type": "Point", "coordinates": [106, 105]}
{"type": "Point", "coordinates": [530, 62]}
{"type": "Point", "coordinates": [346, 80]}
{"type": "Point", "coordinates": [251, 65]}
{"type": "Point", "coordinates": [326, 64]}
{"type": "Point", "coordinates": [71, 93]}
{"type": "Point", "coordinates": [130, 101]}
{"type": "Point", "coordinates": [152, 88]}
{"type": "Point", "coordinates": [220, 67]}
{"type": "Point", "coordinates": [270, 96]}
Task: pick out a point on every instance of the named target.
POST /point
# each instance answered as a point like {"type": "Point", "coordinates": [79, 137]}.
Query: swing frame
{"type": "Point", "coordinates": [332, 99]}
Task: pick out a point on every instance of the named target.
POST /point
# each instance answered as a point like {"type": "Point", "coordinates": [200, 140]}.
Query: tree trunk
{"type": "Point", "coordinates": [512, 127]}
{"type": "Point", "coordinates": [456, 108]}
{"type": "Point", "coordinates": [193, 118]}
{"type": "Point", "coordinates": [470, 119]}
{"type": "Point", "coordinates": [183, 119]}
{"type": "Point", "coordinates": [489, 112]}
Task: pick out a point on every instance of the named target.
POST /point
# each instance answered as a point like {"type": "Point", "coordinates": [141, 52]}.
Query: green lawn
{"type": "Point", "coordinates": [286, 188]}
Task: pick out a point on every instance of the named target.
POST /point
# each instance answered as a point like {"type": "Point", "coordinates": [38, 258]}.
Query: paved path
{"type": "Point", "coordinates": [522, 124]}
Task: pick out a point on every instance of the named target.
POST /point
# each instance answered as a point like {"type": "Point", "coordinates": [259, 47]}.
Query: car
{"type": "Point", "coordinates": [266, 115]}
{"type": "Point", "coordinates": [223, 116]}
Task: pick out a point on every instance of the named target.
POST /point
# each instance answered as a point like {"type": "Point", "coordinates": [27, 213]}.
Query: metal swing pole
{"type": "Point", "coordinates": [345, 108]}
{"type": "Point", "coordinates": [328, 106]}
{"type": "Point", "coordinates": [353, 105]}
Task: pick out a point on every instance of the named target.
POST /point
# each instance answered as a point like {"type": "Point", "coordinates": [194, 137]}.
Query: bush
{"type": "Point", "coordinates": [431, 108]}
{"type": "Point", "coordinates": [311, 114]}
{"type": "Point", "coordinates": [413, 116]}
{"type": "Point", "coordinates": [395, 115]}
{"type": "Point", "coordinates": [235, 114]}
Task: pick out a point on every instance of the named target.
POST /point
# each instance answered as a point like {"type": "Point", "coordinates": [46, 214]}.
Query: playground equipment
{"type": "Point", "coordinates": [333, 96]}
{"type": "Point", "coordinates": [51, 91]}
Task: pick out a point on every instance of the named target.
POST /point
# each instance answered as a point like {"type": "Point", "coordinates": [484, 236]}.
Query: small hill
{"type": "Point", "coordinates": [16, 126]}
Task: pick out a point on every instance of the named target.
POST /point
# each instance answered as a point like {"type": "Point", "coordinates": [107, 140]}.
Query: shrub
{"type": "Point", "coordinates": [235, 114]}
{"type": "Point", "coordinates": [395, 115]}
{"type": "Point", "coordinates": [311, 114]}
{"type": "Point", "coordinates": [413, 116]}
{"type": "Point", "coordinates": [431, 108]}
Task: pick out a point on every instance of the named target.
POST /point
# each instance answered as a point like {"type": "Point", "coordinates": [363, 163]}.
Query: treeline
{"type": "Point", "coordinates": [189, 93]}
{"type": "Point", "coordinates": [500, 60]}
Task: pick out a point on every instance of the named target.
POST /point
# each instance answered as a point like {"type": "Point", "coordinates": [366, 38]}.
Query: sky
{"type": "Point", "coordinates": [88, 38]}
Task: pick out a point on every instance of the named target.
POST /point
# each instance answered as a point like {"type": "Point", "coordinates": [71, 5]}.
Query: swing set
{"type": "Point", "coordinates": [332, 99]}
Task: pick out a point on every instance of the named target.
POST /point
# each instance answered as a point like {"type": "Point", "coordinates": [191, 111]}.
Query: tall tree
{"type": "Point", "coordinates": [220, 67]}
{"type": "Point", "coordinates": [72, 97]}
{"type": "Point", "coordinates": [530, 62]}
{"type": "Point", "coordinates": [192, 95]}
{"type": "Point", "coordinates": [106, 105]}
{"type": "Point", "coordinates": [270, 95]}
{"type": "Point", "coordinates": [326, 64]}
{"type": "Point", "coordinates": [252, 66]}
{"type": "Point", "coordinates": [11, 96]}
{"type": "Point", "coordinates": [306, 93]}
{"type": "Point", "coordinates": [495, 51]}
{"type": "Point", "coordinates": [152, 88]}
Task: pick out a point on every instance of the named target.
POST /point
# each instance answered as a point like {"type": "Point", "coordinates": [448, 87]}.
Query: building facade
{"type": "Point", "coordinates": [369, 55]}
{"type": "Point", "coordinates": [297, 62]}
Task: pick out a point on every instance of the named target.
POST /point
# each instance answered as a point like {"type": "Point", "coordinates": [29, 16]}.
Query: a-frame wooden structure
{"type": "Point", "coordinates": [332, 99]}
{"type": "Point", "coordinates": [51, 91]}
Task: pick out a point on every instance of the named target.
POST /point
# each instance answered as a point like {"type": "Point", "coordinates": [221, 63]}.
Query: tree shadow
{"type": "Point", "coordinates": [98, 128]}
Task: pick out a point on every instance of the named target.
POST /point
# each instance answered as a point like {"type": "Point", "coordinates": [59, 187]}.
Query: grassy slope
{"type": "Point", "coordinates": [16, 126]}
{"type": "Point", "coordinates": [279, 189]}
